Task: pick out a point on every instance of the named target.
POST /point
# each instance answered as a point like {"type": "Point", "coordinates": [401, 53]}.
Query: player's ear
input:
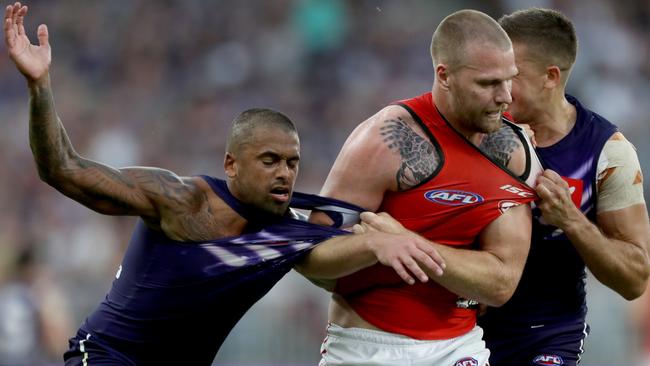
{"type": "Point", "coordinates": [553, 77]}
{"type": "Point", "coordinates": [442, 76]}
{"type": "Point", "coordinates": [230, 165]}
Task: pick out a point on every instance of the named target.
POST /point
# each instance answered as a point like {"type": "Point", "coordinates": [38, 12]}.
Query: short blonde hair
{"type": "Point", "coordinates": [456, 31]}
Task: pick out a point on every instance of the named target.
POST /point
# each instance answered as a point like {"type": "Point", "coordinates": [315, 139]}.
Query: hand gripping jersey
{"type": "Point", "coordinates": [174, 303]}
{"type": "Point", "coordinates": [552, 287]}
{"type": "Point", "coordinates": [466, 192]}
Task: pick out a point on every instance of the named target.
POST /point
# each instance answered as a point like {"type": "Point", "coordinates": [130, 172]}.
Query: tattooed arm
{"type": "Point", "coordinates": [387, 152]}
{"type": "Point", "coordinates": [146, 192]}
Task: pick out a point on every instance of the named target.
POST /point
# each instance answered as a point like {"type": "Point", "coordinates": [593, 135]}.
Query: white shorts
{"type": "Point", "coordinates": [365, 347]}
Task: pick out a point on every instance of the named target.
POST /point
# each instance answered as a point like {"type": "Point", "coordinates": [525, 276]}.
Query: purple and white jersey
{"type": "Point", "coordinates": [552, 287]}
{"type": "Point", "coordinates": [175, 302]}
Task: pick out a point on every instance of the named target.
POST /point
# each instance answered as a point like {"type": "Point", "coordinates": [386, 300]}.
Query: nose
{"type": "Point", "coordinates": [503, 92]}
{"type": "Point", "coordinates": [283, 171]}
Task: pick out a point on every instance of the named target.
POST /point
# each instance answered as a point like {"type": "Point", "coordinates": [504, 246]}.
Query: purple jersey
{"type": "Point", "coordinates": [552, 287]}
{"type": "Point", "coordinates": [175, 302]}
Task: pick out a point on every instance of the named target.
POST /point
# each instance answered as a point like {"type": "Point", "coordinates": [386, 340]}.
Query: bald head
{"type": "Point", "coordinates": [246, 123]}
{"type": "Point", "coordinates": [462, 28]}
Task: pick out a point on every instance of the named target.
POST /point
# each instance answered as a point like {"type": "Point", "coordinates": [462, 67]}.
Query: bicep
{"type": "Point", "coordinates": [363, 171]}
{"type": "Point", "coordinates": [508, 237]}
{"type": "Point", "coordinates": [138, 191]}
{"type": "Point", "coordinates": [629, 224]}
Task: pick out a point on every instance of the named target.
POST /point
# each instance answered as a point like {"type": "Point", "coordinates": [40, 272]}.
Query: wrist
{"type": "Point", "coordinates": [38, 84]}
{"type": "Point", "coordinates": [576, 224]}
{"type": "Point", "coordinates": [370, 245]}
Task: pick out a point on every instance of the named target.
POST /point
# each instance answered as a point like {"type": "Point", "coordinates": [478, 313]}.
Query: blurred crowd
{"type": "Point", "coordinates": [157, 83]}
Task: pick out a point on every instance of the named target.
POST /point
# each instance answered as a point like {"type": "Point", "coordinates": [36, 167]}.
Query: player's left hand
{"type": "Point", "coordinates": [555, 199]}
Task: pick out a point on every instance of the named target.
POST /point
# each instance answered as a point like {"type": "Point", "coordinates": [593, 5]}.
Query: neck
{"type": "Point", "coordinates": [554, 121]}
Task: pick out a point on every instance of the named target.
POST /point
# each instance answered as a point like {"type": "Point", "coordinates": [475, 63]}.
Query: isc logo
{"type": "Point", "coordinates": [552, 360]}
{"type": "Point", "coordinates": [518, 191]}
{"type": "Point", "coordinates": [452, 198]}
{"type": "Point", "coordinates": [467, 361]}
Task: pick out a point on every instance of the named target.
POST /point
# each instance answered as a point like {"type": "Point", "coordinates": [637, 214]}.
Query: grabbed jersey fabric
{"type": "Point", "coordinates": [467, 192]}
{"type": "Point", "coordinates": [175, 302]}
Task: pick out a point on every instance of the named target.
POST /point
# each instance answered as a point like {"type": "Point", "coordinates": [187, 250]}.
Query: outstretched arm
{"type": "Point", "coordinates": [489, 275]}
{"type": "Point", "coordinates": [130, 191]}
{"type": "Point", "coordinates": [346, 254]}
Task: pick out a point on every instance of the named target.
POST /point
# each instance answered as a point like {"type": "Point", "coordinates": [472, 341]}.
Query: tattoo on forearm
{"type": "Point", "coordinates": [419, 158]}
{"type": "Point", "coordinates": [500, 145]}
{"type": "Point", "coordinates": [47, 137]}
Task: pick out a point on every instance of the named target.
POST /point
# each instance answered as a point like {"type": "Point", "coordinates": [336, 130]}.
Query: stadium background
{"type": "Point", "coordinates": [157, 83]}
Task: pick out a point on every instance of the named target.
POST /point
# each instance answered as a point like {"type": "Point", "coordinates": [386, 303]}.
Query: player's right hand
{"type": "Point", "coordinates": [33, 61]}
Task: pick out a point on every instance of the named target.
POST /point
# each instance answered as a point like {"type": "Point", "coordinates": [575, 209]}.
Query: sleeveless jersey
{"type": "Point", "coordinates": [175, 302]}
{"type": "Point", "coordinates": [552, 287]}
{"type": "Point", "coordinates": [467, 191]}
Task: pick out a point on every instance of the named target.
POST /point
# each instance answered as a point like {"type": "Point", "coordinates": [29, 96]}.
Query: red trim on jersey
{"type": "Point", "coordinates": [468, 192]}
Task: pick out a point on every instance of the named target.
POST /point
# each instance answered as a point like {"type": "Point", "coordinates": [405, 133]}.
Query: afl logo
{"type": "Point", "coordinates": [506, 205]}
{"type": "Point", "coordinates": [552, 360]}
{"type": "Point", "coordinates": [467, 361]}
{"type": "Point", "coordinates": [453, 198]}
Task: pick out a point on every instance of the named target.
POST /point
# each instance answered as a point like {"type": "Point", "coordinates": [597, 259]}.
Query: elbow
{"type": "Point", "coordinates": [53, 171]}
{"type": "Point", "coordinates": [501, 296]}
{"type": "Point", "coordinates": [501, 293]}
{"type": "Point", "coordinates": [53, 177]}
{"type": "Point", "coordinates": [635, 290]}
{"type": "Point", "coordinates": [632, 293]}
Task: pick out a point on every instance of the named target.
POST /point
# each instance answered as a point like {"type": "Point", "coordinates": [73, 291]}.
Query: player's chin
{"type": "Point", "coordinates": [277, 207]}
{"type": "Point", "coordinates": [491, 123]}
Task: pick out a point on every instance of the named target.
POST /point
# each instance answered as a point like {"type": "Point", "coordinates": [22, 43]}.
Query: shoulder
{"type": "Point", "coordinates": [618, 151]}
{"type": "Point", "coordinates": [374, 127]}
{"type": "Point", "coordinates": [619, 179]}
{"type": "Point", "coordinates": [506, 146]}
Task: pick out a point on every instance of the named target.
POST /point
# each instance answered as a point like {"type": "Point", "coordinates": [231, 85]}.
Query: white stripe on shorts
{"type": "Point", "coordinates": [82, 348]}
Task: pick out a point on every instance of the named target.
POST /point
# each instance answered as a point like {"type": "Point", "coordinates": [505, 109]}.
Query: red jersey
{"type": "Point", "coordinates": [466, 192]}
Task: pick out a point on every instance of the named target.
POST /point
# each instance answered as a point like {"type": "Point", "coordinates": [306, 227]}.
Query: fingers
{"type": "Point", "coordinates": [415, 269]}
{"type": "Point", "coordinates": [14, 23]}
{"type": "Point", "coordinates": [362, 228]}
{"type": "Point", "coordinates": [43, 36]}
{"type": "Point", "coordinates": [401, 272]}
{"type": "Point", "coordinates": [358, 229]}
{"type": "Point", "coordinates": [382, 222]}
{"type": "Point", "coordinates": [10, 35]}
{"type": "Point", "coordinates": [551, 185]}
{"type": "Point", "coordinates": [554, 177]}
{"type": "Point", "coordinates": [543, 192]}
{"type": "Point", "coordinates": [430, 257]}
{"type": "Point", "coordinates": [367, 216]}
{"type": "Point", "coordinates": [20, 17]}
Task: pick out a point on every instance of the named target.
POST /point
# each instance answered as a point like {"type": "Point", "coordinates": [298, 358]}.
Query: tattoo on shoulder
{"type": "Point", "coordinates": [501, 144]}
{"type": "Point", "coordinates": [419, 158]}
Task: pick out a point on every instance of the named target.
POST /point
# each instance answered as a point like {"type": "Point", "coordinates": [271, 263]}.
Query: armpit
{"type": "Point", "coordinates": [620, 180]}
